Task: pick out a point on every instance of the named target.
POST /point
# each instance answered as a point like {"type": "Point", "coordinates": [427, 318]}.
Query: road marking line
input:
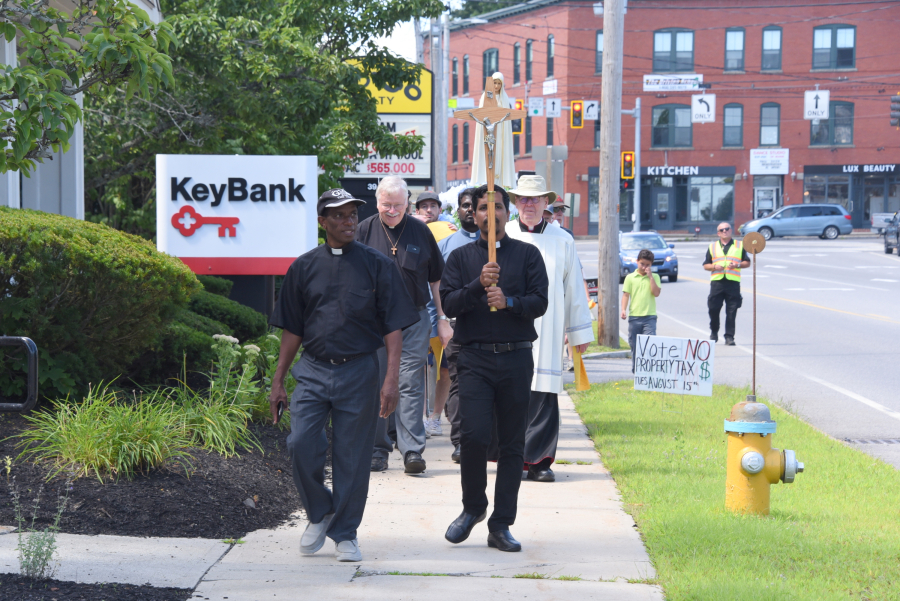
{"type": "Point", "coordinates": [880, 280]}
{"type": "Point", "coordinates": [808, 304]}
{"type": "Point", "coordinates": [856, 397]}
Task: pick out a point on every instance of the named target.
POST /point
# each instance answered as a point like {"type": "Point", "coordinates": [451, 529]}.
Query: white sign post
{"type": "Point", "coordinates": [536, 106]}
{"type": "Point", "coordinates": [591, 110]}
{"type": "Point", "coordinates": [676, 365]}
{"type": "Point", "coordinates": [554, 107]}
{"type": "Point", "coordinates": [703, 108]}
{"type": "Point", "coordinates": [815, 104]}
{"type": "Point", "coordinates": [236, 215]}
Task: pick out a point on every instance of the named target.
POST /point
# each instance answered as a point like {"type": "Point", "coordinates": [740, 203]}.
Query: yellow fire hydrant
{"type": "Point", "coordinates": [752, 464]}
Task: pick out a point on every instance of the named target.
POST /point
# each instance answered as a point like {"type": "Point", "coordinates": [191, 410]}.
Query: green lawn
{"type": "Point", "coordinates": [832, 534]}
{"type": "Point", "coordinates": [596, 348]}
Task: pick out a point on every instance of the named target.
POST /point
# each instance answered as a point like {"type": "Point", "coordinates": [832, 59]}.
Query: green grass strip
{"type": "Point", "coordinates": [832, 534]}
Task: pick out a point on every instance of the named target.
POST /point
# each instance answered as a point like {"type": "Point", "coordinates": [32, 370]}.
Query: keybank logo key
{"type": "Point", "coordinates": [237, 190]}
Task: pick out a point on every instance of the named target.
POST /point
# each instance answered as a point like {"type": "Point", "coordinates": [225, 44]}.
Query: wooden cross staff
{"type": "Point", "coordinates": [488, 117]}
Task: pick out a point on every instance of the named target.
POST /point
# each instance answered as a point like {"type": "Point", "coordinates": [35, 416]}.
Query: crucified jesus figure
{"type": "Point", "coordinates": [489, 137]}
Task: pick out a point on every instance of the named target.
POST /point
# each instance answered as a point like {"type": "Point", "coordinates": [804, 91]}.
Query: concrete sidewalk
{"type": "Point", "coordinates": [574, 528]}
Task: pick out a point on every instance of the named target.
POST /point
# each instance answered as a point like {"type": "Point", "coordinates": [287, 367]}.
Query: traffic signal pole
{"type": "Point", "coordinates": [636, 113]}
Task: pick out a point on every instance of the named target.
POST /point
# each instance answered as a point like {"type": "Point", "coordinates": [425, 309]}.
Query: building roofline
{"type": "Point", "coordinates": [508, 11]}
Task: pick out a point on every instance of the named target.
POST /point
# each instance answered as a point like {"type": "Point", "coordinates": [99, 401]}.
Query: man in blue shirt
{"type": "Point", "coordinates": [467, 234]}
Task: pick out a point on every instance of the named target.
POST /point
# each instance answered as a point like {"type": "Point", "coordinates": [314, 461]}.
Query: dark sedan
{"type": "Point", "coordinates": [665, 261]}
{"type": "Point", "coordinates": [892, 235]}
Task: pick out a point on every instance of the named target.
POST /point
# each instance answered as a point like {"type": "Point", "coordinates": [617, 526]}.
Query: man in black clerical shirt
{"type": "Point", "coordinates": [343, 301]}
{"type": "Point", "coordinates": [494, 366]}
{"type": "Point", "coordinates": [411, 246]}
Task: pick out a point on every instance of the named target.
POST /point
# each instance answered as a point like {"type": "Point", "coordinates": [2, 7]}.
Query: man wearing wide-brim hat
{"type": "Point", "coordinates": [567, 315]}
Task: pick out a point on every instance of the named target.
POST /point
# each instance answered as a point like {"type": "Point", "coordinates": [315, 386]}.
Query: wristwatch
{"type": "Point", "coordinates": [510, 301]}
{"type": "Point", "coordinates": [444, 317]}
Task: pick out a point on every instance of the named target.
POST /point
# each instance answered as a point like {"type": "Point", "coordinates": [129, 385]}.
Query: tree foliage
{"type": "Point", "coordinates": [101, 43]}
{"type": "Point", "coordinates": [263, 77]}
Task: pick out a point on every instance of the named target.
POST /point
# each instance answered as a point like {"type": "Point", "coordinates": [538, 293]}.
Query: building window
{"type": "Point", "coordinates": [455, 147]}
{"type": "Point", "coordinates": [734, 50]}
{"type": "Point", "coordinates": [454, 76]}
{"type": "Point", "coordinates": [551, 51]}
{"type": "Point", "coordinates": [598, 68]}
{"type": "Point", "coordinates": [734, 125]}
{"type": "Point", "coordinates": [529, 59]}
{"type": "Point", "coordinates": [517, 62]}
{"type": "Point", "coordinates": [711, 198]}
{"type": "Point", "coordinates": [834, 47]}
{"type": "Point", "coordinates": [527, 135]}
{"type": "Point", "coordinates": [490, 63]}
{"type": "Point", "coordinates": [672, 125]}
{"type": "Point", "coordinates": [832, 189]}
{"type": "Point", "coordinates": [771, 49]}
{"type": "Point", "coordinates": [673, 50]}
{"type": "Point", "coordinates": [837, 130]}
{"type": "Point", "coordinates": [549, 131]}
{"type": "Point", "coordinates": [769, 117]}
{"type": "Point", "coordinates": [597, 133]}
{"type": "Point", "coordinates": [465, 75]}
{"type": "Point", "coordinates": [465, 142]}
{"type": "Point", "coordinates": [516, 145]}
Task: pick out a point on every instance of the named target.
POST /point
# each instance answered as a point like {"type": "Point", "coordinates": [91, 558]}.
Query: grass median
{"type": "Point", "coordinates": [597, 348]}
{"type": "Point", "coordinates": [832, 534]}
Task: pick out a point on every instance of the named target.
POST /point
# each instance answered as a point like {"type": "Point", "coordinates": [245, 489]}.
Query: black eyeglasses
{"type": "Point", "coordinates": [559, 209]}
{"type": "Point", "coordinates": [725, 229]}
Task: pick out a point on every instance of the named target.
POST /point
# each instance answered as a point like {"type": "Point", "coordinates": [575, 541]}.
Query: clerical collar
{"type": "Point", "coordinates": [483, 243]}
{"type": "Point", "coordinates": [472, 235]}
{"type": "Point", "coordinates": [402, 219]}
{"type": "Point", "coordinates": [538, 229]}
{"type": "Point", "coordinates": [339, 251]}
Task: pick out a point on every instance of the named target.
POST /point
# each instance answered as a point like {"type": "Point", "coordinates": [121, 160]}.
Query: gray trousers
{"type": "Point", "coordinates": [350, 392]}
{"type": "Point", "coordinates": [639, 325]}
{"type": "Point", "coordinates": [409, 416]}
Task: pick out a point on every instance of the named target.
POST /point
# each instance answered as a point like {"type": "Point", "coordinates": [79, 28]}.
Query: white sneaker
{"type": "Point", "coordinates": [427, 423]}
{"type": "Point", "coordinates": [347, 550]}
{"type": "Point", "coordinates": [436, 427]}
{"type": "Point", "coordinates": [314, 536]}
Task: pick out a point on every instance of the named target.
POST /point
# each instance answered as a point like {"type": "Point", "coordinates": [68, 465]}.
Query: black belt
{"type": "Point", "coordinates": [340, 361]}
{"type": "Point", "coordinates": [499, 347]}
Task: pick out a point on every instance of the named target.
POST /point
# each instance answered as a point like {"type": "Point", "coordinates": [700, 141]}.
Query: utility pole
{"type": "Point", "coordinates": [420, 45]}
{"type": "Point", "coordinates": [610, 145]}
{"type": "Point", "coordinates": [442, 73]}
{"type": "Point", "coordinates": [636, 113]}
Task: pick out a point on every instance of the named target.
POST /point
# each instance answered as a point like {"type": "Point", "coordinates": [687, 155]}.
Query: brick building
{"type": "Point", "coordinates": [758, 57]}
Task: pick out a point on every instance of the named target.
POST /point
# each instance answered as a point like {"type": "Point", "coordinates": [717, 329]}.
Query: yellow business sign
{"type": "Point", "coordinates": [411, 98]}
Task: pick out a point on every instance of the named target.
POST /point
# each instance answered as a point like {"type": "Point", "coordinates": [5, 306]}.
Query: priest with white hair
{"type": "Point", "coordinates": [504, 163]}
{"type": "Point", "coordinates": [567, 315]}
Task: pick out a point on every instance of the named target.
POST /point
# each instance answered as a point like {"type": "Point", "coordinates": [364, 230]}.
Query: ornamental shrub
{"type": "Point", "coordinates": [91, 297]}
{"type": "Point", "coordinates": [220, 286]}
{"type": "Point", "coordinates": [244, 322]}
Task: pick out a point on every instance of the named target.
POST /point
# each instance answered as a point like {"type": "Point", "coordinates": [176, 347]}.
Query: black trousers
{"type": "Point", "coordinates": [452, 353]}
{"type": "Point", "coordinates": [493, 384]}
{"type": "Point", "coordinates": [728, 292]}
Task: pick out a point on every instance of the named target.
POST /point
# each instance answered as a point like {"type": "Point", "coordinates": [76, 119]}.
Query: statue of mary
{"type": "Point", "coordinates": [504, 163]}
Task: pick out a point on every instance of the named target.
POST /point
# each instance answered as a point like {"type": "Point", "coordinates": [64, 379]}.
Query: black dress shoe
{"type": "Point", "coordinates": [455, 455]}
{"type": "Point", "coordinates": [379, 464]}
{"type": "Point", "coordinates": [541, 475]}
{"type": "Point", "coordinates": [729, 342]}
{"type": "Point", "coordinates": [462, 526]}
{"type": "Point", "coordinates": [503, 540]}
{"type": "Point", "coordinates": [413, 463]}
{"type": "Point", "coordinates": [714, 337]}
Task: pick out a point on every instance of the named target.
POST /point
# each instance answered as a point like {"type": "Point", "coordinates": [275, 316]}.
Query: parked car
{"type": "Point", "coordinates": [665, 261]}
{"type": "Point", "coordinates": [823, 220]}
{"type": "Point", "coordinates": [892, 235]}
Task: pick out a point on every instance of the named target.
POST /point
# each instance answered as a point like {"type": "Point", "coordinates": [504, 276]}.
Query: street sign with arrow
{"type": "Point", "coordinates": [815, 104]}
{"type": "Point", "coordinates": [591, 110]}
{"type": "Point", "coordinates": [703, 108]}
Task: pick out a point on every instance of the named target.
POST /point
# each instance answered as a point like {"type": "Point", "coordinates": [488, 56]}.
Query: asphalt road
{"type": "Point", "coordinates": [828, 332]}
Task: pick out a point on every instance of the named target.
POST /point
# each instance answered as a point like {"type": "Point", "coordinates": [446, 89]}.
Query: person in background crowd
{"type": "Point", "coordinates": [495, 365]}
{"type": "Point", "coordinates": [467, 234]}
{"type": "Point", "coordinates": [567, 316]}
{"type": "Point", "coordinates": [724, 260]}
{"type": "Point", "coordinates": [428, 209]}
{"type": "Point", "coordinates": [558, 209]}
{"type": "Point", "coordinates": [343, 302]}
{"type": "Point", "coordinates": [410, 245]}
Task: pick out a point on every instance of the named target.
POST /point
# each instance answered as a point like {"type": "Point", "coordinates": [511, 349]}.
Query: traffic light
{"type": "Point", "coordinates": [895, 110]}
{"type": "Point", "coordinates": [517, 123]}
{"type": "Point", "coordinates": [627, 165]}
{"type": "Point", "coordinates": [576, 114]}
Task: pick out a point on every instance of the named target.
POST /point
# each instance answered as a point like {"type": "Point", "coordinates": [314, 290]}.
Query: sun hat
{"type": "Point", "coordinates": [533, 185]}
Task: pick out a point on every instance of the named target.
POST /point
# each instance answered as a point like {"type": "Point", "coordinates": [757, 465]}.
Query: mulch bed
{"type": "Point", "coordinates": [26, 589]}
{"type": "Point", "coordinates": [211, 502]}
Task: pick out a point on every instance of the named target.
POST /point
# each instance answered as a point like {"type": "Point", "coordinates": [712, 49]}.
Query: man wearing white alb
{"type": "Point", "coordinates": [567, 315]}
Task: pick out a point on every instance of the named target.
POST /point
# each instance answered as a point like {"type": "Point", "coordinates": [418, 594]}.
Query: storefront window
{"type": "Point", "coordinates": [834, 189]}
{"type": "Point", "coordinates": [593, 199]}
{"type": "Point", "coordinates": [892, 202]}
{"type": "Point", "coordinates": [711, 199]}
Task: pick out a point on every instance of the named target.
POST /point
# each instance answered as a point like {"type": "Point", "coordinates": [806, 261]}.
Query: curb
{"type": "Point", "coordinates": [610, 355]}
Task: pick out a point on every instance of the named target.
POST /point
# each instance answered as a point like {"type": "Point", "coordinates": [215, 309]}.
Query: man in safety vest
{"type": "Point", "coordinates": [724, 261]}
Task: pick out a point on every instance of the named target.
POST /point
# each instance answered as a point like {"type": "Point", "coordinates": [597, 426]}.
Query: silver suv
{"type": "Point", "coordinates": [823, 220]}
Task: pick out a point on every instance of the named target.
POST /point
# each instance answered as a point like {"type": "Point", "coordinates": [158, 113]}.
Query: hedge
{"type": "Point", "coordinates": [91, 297]}
{"type": "Point", "coordinates": [244, 321]}
{"type": "Point", "coordinates": [219, 286]}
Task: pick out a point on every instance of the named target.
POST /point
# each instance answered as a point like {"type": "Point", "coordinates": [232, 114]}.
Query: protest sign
{"type": "Point", "coordinates": [676, 365]}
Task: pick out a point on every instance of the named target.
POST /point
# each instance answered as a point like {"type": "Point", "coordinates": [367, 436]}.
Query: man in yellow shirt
{"type": "Point", "coordinates": [642, 288]}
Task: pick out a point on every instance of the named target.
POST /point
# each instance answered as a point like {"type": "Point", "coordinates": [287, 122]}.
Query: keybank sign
{"type": "Point", "coordinates": [236, 215]}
